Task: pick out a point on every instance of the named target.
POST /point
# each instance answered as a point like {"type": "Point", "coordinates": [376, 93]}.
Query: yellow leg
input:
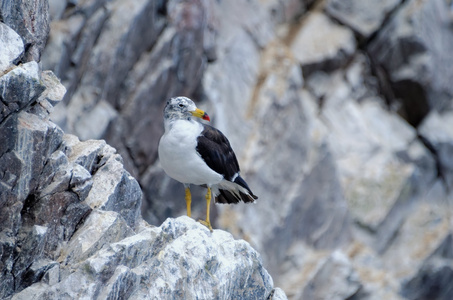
{"type": "Point", "coordinates": [188, 198]}
{"type": "Point", "coordinates": [207, 223]}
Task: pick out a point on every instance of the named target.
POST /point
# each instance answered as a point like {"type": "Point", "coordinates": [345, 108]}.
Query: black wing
{"type": "Point", "coordinates": [215, 149]}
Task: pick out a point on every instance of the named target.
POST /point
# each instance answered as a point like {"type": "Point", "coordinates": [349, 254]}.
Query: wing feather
{"type": "Point", "coordinates": [215, 149]}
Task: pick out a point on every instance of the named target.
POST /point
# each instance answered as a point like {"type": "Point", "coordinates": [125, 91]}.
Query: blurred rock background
{"type": "Point", "coordinates": [340, 112]}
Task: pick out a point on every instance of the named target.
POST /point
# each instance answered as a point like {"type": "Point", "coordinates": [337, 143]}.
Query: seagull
{"type": "Point", "coordinates": [195, 153]}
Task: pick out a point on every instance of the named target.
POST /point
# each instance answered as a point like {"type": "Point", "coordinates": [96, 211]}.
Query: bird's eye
{"type": "Point", "coordinates": [181, 105]}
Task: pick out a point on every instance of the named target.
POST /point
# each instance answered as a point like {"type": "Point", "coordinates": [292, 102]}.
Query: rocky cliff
{"type": "Point", "coordinates": [70, 214]}
{"type": "Point", "coordinates": [341, 113]}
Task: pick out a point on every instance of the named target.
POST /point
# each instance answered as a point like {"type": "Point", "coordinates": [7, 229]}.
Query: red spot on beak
{"type": "Point", "coordinates": [206, 117]}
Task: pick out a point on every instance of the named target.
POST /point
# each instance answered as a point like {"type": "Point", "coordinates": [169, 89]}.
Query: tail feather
{"type": "Point", "coordinates": [247, 198]}
{"type": "Point", "coordinates": [227, 197]}
{"type": "Point", "coordinates": [240, 181]}
{"type": "Point", "coordinates": [233, 192]}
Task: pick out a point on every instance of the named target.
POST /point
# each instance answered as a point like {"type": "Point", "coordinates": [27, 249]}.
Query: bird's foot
{"type": "Point", "coordinates": [206, 223]}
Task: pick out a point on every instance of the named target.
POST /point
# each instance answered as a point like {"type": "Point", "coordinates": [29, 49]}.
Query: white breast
{"type": "Point", "coordinates": [179, 158]}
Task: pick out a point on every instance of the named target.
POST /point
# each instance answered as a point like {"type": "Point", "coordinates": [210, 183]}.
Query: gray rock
{"type": "Point", "coordinates": [88, 154]}
{"type": "Point", "coordinates": [100, 229]}
{"type": "Point", "coordinates": [175, 67]}
{"type": "Point", "coordinates": [31, 203]}
{"type": "Point", "coordinates": [56, 9]}
{"type": "Point", "coordinates": [181, 259]}
{"type": "Point", "coordinates": [130, 35]}
{"type": "Point", "coordinates": [75, 215]}
{"type": "Point", "coordinates": [320, 220]}
{"type": "Point", "coordinates": [343, 282]}
{"type": "Point", "coordinates": [94, 124]}
{"type": "Point", "coordinates": [328, 49]}
{"type": "Point", "coordinates": [99, 178]}
{"type": "Point", "coordinates": [86, 7]}
{"type": "Point", "coordinates": [436, 134]}
{"type": "Point", "coordinates": [88, 29]}
{"type": "Point", "coordinates": [383, 169]}
{"type": "Point", "coordinates": [69, 208]}
{"type": "Point", "coordinates": [288, 162]}
{"type": "Point", "coordinates": [70, 45]}
{"type": "Point", "coordinates": [19, 87]}
{"type": "Point", "coordinates": [424, 242]}
{"type": "Point", "coordinates": [269, 164]}
{"type": "Point", "coordinates": [333, 164]}
{"type": "Point", "coordinates": [432, 281]}
{"type": "Point", "coordinates": [38, 269]}
{"type": "Point", "coordinates": [242, 61]}
{"type": "Point", "coordinates": [410, 60]}
{"type": "Point", "coordinates": [358, 15]}
{"type": "Point", "coordinates": [53, 211]}
{"type": "Point", "coordinates": [30, 245]}
{"type": "Point", "coordinates": [37, 139]}
{"type": "Point", "coordinates": [202, 265]}
{"type": "Point", "coordinates": [36, 291]}
{"type": "Point", "coordinates": [30, 19]}
{"type": "Point", "coordinates": [115, 189]}
{"type": "Point", "coordinates": [81, 182]}
{"type": "Point", "coordinates": [52, 274]}
{"type": "Point", "coordinates": [11, 45]}
{"type": "Point", "coordinates": [120, 286]}
{"type": "Point", "coordinates": [26, 142]}
{"type": "Point", "coordinates": [54, 91]}
{"type": "Point", "coordinates": [56, 174]}
{"type": "Point", "coordinates": [358, 135]}
{"type": "Point", "coordinates": [284, 12]}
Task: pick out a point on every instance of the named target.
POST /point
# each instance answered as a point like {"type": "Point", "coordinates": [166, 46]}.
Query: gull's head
{"type": "Point", "coordinates": [183, 108]}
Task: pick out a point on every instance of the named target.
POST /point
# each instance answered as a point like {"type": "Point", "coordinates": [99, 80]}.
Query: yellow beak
{"type": "Point", "coordinates": [200, 114]}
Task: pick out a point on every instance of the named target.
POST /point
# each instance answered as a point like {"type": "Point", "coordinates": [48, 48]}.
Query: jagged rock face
{"type": "Point", "coordinates": [50, 181]}
{"type": "Point", "coordinates": [70, 221]}
{"type": "Point", "coordinates": [409, 53]}
{"type": "Point", "coordinates": [33, 26]}
{"type": "Point", "coordinates": [358, 16]}
{"type": "Point", "coordinates": [181, 259]}
{"type": "Point", "coordinates": [340, 113]}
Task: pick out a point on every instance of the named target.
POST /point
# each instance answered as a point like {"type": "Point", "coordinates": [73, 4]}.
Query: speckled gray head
{"type": "Point", "coordinates": [183, 108]}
